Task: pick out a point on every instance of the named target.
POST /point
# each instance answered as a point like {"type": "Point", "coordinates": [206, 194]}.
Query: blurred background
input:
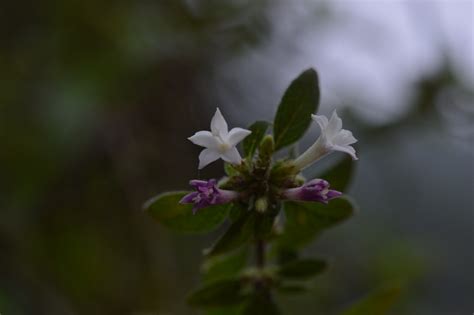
{"type": "Point", "coordinates": [97, 100]}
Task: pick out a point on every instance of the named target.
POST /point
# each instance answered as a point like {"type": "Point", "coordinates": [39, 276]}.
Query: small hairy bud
{"type": "Point", "coordinates": [261, 204]}
{"type": "Point", "coordinates": [265, 152]}
{"type": "Point", "coordinates": [267, 146]}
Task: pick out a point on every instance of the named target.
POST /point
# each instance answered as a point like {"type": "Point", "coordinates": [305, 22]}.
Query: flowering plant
{"type": "Point", "coordinates": [266, 204]}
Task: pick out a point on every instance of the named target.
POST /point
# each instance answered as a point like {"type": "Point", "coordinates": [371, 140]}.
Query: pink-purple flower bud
{"type": "Point", "coordinates": [314, 190]}
{"type": "Point", "coordinates": [207, 194]}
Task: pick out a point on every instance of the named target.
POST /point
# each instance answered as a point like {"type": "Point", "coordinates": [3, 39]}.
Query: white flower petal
{"type": "Point", "coordinates": [346, 149]}
{"type": "Point", "coordinates": [232, 156]}
{"type": "Point", "coordinates": [219, 143]}
{"type": "Point", "coordinates": [219, 125]}
{"type": "Point", "coordinates": [204, 139]}
{"type": "Point", "coordinates": [236, 135]}
{"type": "Point", "coordinates": [315, 152]}
{"type": "Point", "coordinates": [332, 138]}
{"type": "Point", "coordinates": [344, 137]}
{"type": "Point", "coordinates": [207, 156]}
{"type": "Point", "coordinates": [321, 120]}
{"type": "Point", "coordinates": [334, 125]}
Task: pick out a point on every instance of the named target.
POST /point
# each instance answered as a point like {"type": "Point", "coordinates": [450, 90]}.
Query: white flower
{"type": "Point", "coordinates": [332, 138]}
{"type": "Point", "coordinates": [219, 143]}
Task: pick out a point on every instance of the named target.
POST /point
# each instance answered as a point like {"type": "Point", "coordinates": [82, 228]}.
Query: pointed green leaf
{"type": "Point", "coordinates": [340, 174]}
{"type": "Point", "coordinates": [240, 232]}
{"type": "Point", "coordinates": [293, 116]}
{"type": "Point", "coordinates": [377, 303]}
{"type": "Point", "coordinates": [236, 211]}
{"type": "Point", "coordinates": [217, 293]}
{"type": "Point", "coordinates": [302, 268]}
{"type": "Point", "coordinates": [167, 210]}
{"type": "Point", "coordinates": [305, 220]}
{"type": "Point", "coordinates": [286, 255]}
{"type": "Point", "coordinates": [225, 266]}
{"type": "Point", "coordinates": [252, 142]}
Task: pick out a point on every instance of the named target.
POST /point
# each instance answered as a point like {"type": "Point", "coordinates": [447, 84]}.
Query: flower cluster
{"type": "Point", "coordinates": [220, 143]}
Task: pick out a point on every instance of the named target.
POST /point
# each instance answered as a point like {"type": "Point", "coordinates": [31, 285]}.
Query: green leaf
{"type": "Point", "coordinates": [377, 303]}
{"type": "Point", "coordinates": [167, 210]}
{"type": "Point", "coordinates": [286, 255]}
{"type": "Point", "coordinates": [293, 116]}
{"type": "Point", "coordinates": [339, 175]}
{"type": "Point", "coordinates": [217, 293]}
{"type": "Point", "coordinates": [236, 211]}
{"type": "Point", "coordinates": [225, 266]}
{"type": "Point", "coordinates": [305, 220]}
{"type": "Point", "coordinates": [261, 303]}
{"type": "Point", "coordinates": [252, 142]}
{"type": "Point", "coordinates": [240, 232]}
{"type": "Point", "coordinates": [302, 268]}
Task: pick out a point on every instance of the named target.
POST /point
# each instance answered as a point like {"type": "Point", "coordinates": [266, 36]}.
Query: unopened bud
{"type": "Point", "coordinates": [267, 147]}
{"type": "Point", "coordinates": [261, 205]}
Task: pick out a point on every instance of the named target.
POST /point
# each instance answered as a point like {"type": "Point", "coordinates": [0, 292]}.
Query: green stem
{"type": "Point", "coordinates": [260, 253]}
{"type": "Point", "coordinates": [260, 262]}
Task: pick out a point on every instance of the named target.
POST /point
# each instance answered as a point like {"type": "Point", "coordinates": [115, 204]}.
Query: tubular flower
{"type": "Point", "coordinates": [219, 142]}
{"type": "Point", "coordinates": [332, 138]}
{"type": "Point", "coordinates": [314, 190]}
{"type": "Point", "coordinates": [207, 194]}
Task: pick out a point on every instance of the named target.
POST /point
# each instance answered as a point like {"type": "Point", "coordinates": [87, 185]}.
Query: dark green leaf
{"type": "Point", "coordinates": [302, 268]}
{"type": "Point", "coordinates": [252, 142]}
{"type": "Point", "coordinates": [305, 220]}
{"type": "Point", "coordinates": [340, 174]}
{"type": "Point", "coordinates": [286, 255]}
{"type": "Point", "coordinates": [261, 303]}
{"type": "Point", "coordinates": [293, 116]}
{"type": "Point", "coordinates": [167, 210]}
{"type": "Point", "coordinates": [217, 293]}
{"type": "Point", "coordinates": [225, 266]}
{"type": "Point", "coordinates": [238, 234]}
{"type": "Point", "coordinates": [236, 211]}
{"type": "Point", "coordinates": [377, 303]}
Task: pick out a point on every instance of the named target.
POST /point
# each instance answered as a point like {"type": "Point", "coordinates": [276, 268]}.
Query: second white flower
{"type": "Point", "coordinates": [332, 138]}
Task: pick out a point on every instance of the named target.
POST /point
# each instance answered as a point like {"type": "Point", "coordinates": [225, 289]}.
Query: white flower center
{"type": "Point", "coordinates": [223, 147]}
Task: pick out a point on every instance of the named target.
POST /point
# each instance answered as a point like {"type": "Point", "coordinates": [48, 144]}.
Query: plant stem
{"type": "Point", "coordinates": [260, 253]}
{"type": "Point", "coordinates": [260, 262]}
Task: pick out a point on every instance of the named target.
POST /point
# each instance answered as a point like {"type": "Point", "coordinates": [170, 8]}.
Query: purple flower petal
{"type": "Point", "coordinates": [333, 194]}
{"type": "Point", "coordinates": [207, 194]}
{"type": "Point", "coordinates": [314, 190]}
{"type": "Point", "coordinates": [189, 198]}
{"type": "Point", "coordinates": [198, 183]}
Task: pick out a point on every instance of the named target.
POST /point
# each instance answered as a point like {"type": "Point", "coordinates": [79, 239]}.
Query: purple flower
{"type": "Point", "coordinates": [314, 190]}
{"type": "Point", "coordinates": [207, 194]}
